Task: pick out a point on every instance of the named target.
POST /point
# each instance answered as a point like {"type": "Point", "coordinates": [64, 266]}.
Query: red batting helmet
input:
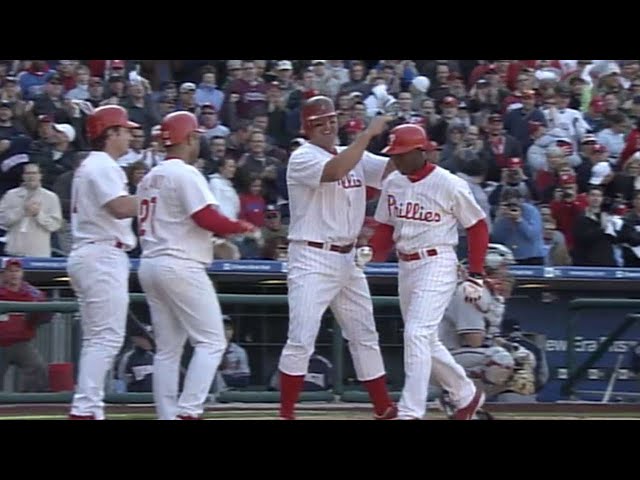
{"type": "Point", "coordinates": [177, 126]}
{"type": "Point", "coordinates": [314, 108]}
{"type": "Point", "coordinates": [106, 117]}
{"type": "Point", "coordinates": [407, 137]}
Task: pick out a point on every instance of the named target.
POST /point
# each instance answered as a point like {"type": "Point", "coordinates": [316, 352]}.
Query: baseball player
{"type": "Point", "coordinates": [98, 266]}
{"type": "Point", "coordinates": [327, 200]}
{"type": "Point", "coordinates": [176, 220]}
{"type": "Point", "coordinates": [419, 209]}
{"type": "Point", "coordinates": [472, 332]}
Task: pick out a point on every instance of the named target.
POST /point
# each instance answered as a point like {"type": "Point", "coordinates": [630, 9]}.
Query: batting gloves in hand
{"type": "Point", "coordinates": [472, 287]}
{"type": "Point", "coordinates": [363, 256]}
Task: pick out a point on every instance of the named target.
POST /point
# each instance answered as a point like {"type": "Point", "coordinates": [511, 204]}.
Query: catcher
{"type": "Point", "coordinates": [472, 333]}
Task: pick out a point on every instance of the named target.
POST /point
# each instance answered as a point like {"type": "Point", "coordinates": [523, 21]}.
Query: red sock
{"type": "Point", "coordinates": [290, 386]}
{"type": "Point", "coordinates": [378, 394]}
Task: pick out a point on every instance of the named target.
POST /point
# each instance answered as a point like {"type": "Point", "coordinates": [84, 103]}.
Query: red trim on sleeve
{"type": "Point", "coordinates": [478, 239]}
{"type": "Point", "coordinates": [209, 218]}
{"type": "Point", "coordinates": [381, 242]}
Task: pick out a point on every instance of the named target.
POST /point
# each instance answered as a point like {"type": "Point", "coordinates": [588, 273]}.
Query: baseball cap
{"type": "Point", "coordinates": [6, 104]}
{"type": "Point", "coordinates": [318, 62]}
{"type": "Point", "coordinates": [483, 82]}
{"type": "Point", "coordinates": [8, 262]}
{"type": "Point", "coordinates": [234, 64]}
{"type": "Point", "coordinates": [227, 319]}
{"type": "Point", "coordinates": [284, 65]}
{"type": "Point", "coordinates": [589, 139]}
{"type": "Point", "coordinates": [11, 78]}
{"type": "Point", "coordinates": [116, 78]}
{"type": "Point", "coordinates": [495, 118]}
{"type": "Point", "coordinates": [567, 179]}
{"type": "Point", "coordinates": [534, 126]}
{"type": "Point", "coordinates": [187, 87]}
{"type": "Point", "coordinates": [599, 172]}
{"type": "Point", "coordinates": [271, 211]}
{"type": "Point", "coordinates": [95, 81]}
{"type": "Point", "coordinates": [514, 162]}
{"type": "Point", "coordinates": [55, 79]}
{"type": "Point", "coordinates": [528, 94]}
{"type": "Point", "coordinates": [67, 129]}
{"type": "Point", "coordinates": [208, 105]}
{"type": "Point", "coordinates": [450, 101]}
{"type": "Point", "coordinates": [45, 118]}
{"type": "Point", "coordinates": [117, 63]}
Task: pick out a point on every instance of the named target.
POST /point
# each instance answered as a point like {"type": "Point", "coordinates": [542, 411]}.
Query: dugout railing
{"type": "Point", "coordinates": [337, 345]}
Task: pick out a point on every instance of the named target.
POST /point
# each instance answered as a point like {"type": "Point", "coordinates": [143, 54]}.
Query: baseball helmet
{"type": "Point", "coordinates": [498, 256]}
{"type": "Point", "coordinates": [407, 137]}
{"type": "Point", "coordinates": [106, 117]}
{"type": "Point", "coordinates": [314, 108]}
{"type": "Point", "coordinates": [177, 126]}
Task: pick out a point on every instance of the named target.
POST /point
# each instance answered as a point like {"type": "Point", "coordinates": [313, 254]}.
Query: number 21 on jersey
{"type": "Point", "coordinates": [146, 213]}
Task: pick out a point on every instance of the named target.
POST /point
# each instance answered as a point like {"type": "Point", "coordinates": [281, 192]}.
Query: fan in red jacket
{"type": "Point", "coordinates": [18, 329]}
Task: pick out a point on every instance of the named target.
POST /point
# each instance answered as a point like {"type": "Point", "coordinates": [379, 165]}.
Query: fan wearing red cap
{"type": "Point", "coordinates": [101, 211]}
{"type": "Point", "coordinates": [17, 330]}
{"type": "Point", "coordinates": [567, 205]}
{"type": "Point", "coordinates": [177, 216]}
{"type": "Point", "coordinates": [419, 209]}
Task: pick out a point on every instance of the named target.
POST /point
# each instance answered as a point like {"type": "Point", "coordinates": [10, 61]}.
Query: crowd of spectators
{"type": "Point", "coordinates": [550, 148]}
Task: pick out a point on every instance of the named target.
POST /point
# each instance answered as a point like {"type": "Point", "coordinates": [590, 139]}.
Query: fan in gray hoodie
{"type": "Point", "coordinates": [537, 153]}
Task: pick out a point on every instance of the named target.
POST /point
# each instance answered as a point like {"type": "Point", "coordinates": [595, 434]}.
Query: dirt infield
{"type": "Point", "coordinates": [337, 411]}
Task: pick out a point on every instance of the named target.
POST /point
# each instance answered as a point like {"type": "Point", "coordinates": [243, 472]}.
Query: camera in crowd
{"type": "Point", "coordinates": [512, 207]}
{"type": "Point", "coordinates": [513, 175]}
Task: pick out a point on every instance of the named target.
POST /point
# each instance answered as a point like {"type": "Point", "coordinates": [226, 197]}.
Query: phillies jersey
{"type": "Point", "coordinates": [329, 212]}
{"type": "Point", "coordinates": [97, 181]}
{"type": "Point", "coordinates": [169, 194]}
{"type": "Point", "coordinates": [426, 213]}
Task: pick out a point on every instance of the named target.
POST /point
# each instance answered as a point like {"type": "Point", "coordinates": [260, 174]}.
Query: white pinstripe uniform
{"type": "Point", "coordinates": [425, 215]}
{"type": "Point", "coordinates": [331, 213]}
{"type": "Point", "coordinates": [98, 267]}
{"type": "Point", "coordinates": [181, 297]}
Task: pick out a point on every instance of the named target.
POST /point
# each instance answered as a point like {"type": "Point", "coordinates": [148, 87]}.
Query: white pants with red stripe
{"type": "Point", "coordinates": [183, 305]}
{"type": "Point", "coordinates": [425, 288]}
{"type": "Point", "coordinates": [318, 279]}
{"type": "Point", "coordinates": [99, 276]}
